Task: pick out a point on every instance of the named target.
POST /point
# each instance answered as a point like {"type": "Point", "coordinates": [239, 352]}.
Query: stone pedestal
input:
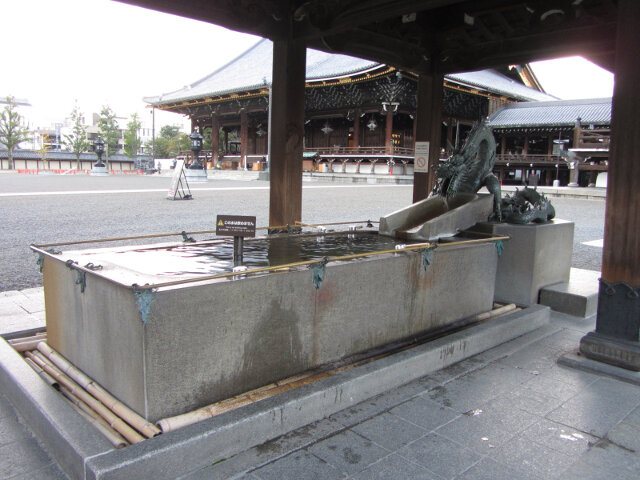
{"type": "Point", "coordinates": [99, 171]}
{"type": "Point", "coordinates": [536, 256]}
{"type": "Point", "coordinates": [195, 175]}
{"type": "Point", "coordinates": [616, 340]}
{"type": "Point", "coordinates": [614, 351]}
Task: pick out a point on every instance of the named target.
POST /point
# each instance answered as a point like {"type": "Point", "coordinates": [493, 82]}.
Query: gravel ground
{"type": "Point", "coordinates": [86, 211]}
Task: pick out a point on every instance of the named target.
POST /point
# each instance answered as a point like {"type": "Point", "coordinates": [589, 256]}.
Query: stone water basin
{"type": "Point", "coordinates": [183, 339]}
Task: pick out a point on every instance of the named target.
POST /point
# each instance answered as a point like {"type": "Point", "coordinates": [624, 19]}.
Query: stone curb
{"type": "Point", "coordinates": [580, 362]}
{"type": "Point", "coordinates": [66, 435]}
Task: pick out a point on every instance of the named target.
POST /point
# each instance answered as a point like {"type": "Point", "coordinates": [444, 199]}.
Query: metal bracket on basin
{"type": "Point", "coordinates": [144, 298]}
{"type": "Point", "coordinates": [499, 247]}
{"type": "Point", "coordinates": [81, 279]}
{"type": "Point", "coordinates": [40, 261]}
{"type": "Point", "coordinates": [426, 256]}
{"type": "Point", "coordinates": [186, 237]}
{"type": "Point", "coordinates": [318, 270]}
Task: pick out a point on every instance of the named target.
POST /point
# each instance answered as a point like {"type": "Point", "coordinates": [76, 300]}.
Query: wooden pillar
{"type": "Point", "coordinates": [356, 128]}
{"type": "Point", "coordinates": [244, 138]}
{"type": "Point", "coordinates": [428, 120]}
{"type": "Point", "coordinates": [194, 124]}
{"type": "Point", "coordinates": [388, 130]}
{"type": "Point", "coordinates": [215, 138]}
{"type": "Point", "coordinates": [287, 132]}
{"type": "Point", "coordinates": [616, 339]}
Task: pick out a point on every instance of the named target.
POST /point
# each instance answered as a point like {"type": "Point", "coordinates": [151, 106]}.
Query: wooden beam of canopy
{"type": "Point", "coordinates": [456, 35]}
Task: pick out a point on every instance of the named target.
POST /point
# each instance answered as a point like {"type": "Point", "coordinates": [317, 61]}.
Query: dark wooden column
{"type": "Point", "coordinates": [215, 138]}
{"type": "Point", "coordinates": [356, 128]}
{"type": "Point", "coordinates": [244, 138]}
{"type": "Point", "coordinates": [287, 132]}
{"type": "Point", "coordinates": [616, 339]}
{"type": "Point", "coordinates": [194, 124]}
{"type": "Point", "coordinates": [428, 120]}
{"type": "Point", "coordinates": [388, 130]}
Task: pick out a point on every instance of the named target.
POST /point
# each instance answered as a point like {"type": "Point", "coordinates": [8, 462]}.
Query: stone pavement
{"type": "Point", "coordinates": [509, 413]}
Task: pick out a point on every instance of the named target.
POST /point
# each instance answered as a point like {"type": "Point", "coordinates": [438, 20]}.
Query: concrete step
{"type": "Point", "coordinates": [578, 297]}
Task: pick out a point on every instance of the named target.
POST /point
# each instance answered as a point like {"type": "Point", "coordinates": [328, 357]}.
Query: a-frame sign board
{"type": "Point", "coordinates": [179, 188]}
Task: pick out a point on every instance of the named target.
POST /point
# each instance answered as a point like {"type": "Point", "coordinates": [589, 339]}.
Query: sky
{"type": "Point", "coordinates": [101, 52]}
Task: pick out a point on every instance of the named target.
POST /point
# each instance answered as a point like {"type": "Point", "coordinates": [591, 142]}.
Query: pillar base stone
{"type": "Point", "coordinates": [621, 353]}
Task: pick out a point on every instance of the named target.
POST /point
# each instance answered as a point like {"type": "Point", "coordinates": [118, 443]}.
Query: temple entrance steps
{"type": "Point", "coordinates": [577, 297]}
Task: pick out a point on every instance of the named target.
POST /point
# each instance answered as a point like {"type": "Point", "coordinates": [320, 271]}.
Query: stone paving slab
{"type": "Point", "coordinates": [22, 310]}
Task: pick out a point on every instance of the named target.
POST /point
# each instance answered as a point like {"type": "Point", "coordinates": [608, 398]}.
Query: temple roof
{"type": "Point", "coordinates": [553, 113]}
{"type": "Point", "coordinates": [252, 70]}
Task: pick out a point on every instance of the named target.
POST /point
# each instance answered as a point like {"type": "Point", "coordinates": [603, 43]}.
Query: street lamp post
{"type": "Point", "coordinates": [98, 148]}
{"type": "Point", "coordinates": [99, 169]}
{"type": "Point", "coordinates": [196, 148]}
{"type": "Point", "coordinates": [196, 172]}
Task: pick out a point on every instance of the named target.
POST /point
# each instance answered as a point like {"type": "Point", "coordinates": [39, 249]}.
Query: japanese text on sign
{"type": "Point", "coordinates": [236, 226]}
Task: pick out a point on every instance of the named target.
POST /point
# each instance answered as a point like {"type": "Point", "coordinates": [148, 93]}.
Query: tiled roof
{"type": "Point", "coordinates": [558, 113]}
{"type": "Point", "coordinates": [252, 70]}
{"type": "Point", "coordinates": [497, 83]}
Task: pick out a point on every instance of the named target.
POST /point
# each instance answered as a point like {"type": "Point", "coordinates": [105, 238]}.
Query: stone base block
{"type": "Point", "coordinates": [99, 172]}
{"type": "Point", "coordinates": [621, 353]}
{"type": "Point", "coordinates": [195, 175]}
{"type": "Point", "coordinates": [578, 297]}
{"type": "Point", "coordinates": [536, 256]}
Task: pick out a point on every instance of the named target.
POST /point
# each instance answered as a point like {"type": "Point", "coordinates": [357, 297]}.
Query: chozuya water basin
{"type": "Point", "coordinates": [183, 338]}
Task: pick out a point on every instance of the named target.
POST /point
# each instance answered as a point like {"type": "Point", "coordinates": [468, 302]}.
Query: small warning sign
{"type": "Point", "coordinates": [235, 226]}
{"type": "Point", "coordinates": [421, 158]}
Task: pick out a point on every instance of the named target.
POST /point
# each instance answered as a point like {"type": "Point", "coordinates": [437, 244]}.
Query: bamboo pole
{"type": "Point", "coordinates": [27, 338]}
{"type": "Point", "coordinates": [25, 346]}
{"type": "Point", "coordinates": [132, 418]}
{"type": "Point", "coordinates": [496, 312]}
{"type": "Point", "coordinates": [83, 409]}
{"type": "Point", "coordinates": [45, 376]}
{"type": "Point", "coordinates": [115, 422]}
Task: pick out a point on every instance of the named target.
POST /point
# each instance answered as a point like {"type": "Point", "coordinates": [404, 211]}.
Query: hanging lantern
{"type": "Point", "coordinates": [261, 131]}
{"type": "Point", "coordinates": [372, 125]}
{"type": "Point", "coordinates": [326, 129]}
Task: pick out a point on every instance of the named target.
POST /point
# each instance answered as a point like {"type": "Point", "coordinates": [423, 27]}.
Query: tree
{"type": "Point", "coordinates": [11, 132]}
{"type": "Point", "coordinates": [169, 131]}
{"type": "Point", "coordinates": [132, 142]}
{"type": "Point", "coordinates": [109, 131]}
{"type": "Point", "coordinates": [180, 143]}
{"type": "Point", "coordinates": [43, 151]}
{"type": "Point", "coordinates": [170, 142]}
{"type": "Point", "coordinates": [77, 141]}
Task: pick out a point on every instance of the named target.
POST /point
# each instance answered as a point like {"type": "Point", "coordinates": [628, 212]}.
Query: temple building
{"type": "Point", "coordinates": [566, 140]}
{"type": "Point", "coordinates": [356, 111]}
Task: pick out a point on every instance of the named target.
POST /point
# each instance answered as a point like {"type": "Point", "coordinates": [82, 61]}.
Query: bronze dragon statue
{"type": "Point", "coordinates": [470, 168]}
{"type": "Point", "coordinates": [527, 206]}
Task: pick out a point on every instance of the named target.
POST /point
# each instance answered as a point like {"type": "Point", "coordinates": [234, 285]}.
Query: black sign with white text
{"type": "Point", "coordinates": [235, 226]}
